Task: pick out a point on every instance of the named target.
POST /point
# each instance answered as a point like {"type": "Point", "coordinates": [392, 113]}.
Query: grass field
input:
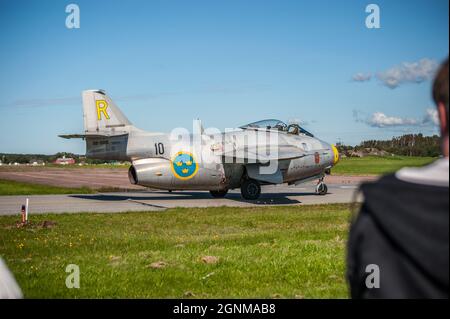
{"type": "Point", "coordinates": [8, 187]}
{"type": "Point", "coordinates": [375, 165]}
{"type": "Point", "coordinates": [270, 252]}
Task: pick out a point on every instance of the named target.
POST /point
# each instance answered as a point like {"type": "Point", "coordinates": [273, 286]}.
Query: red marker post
{"type": "Point", "coordinates": [24, 217]}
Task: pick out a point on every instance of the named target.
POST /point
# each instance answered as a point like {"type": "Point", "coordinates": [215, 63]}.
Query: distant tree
{"type": "Point", "coordinates": [406, 145]}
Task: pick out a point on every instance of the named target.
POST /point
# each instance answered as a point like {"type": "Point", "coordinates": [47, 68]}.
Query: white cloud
{"type": "Point", "coordinates": [379, 119]}
{"type": "Point", "coordinates": [431, 117]}
{"type": "Point", "coordinates": [362, 77]}
{"type": "Point", "coordinates": [408, 72]}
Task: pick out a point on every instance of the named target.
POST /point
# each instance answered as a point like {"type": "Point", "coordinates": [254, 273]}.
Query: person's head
{"type": "Point", "coordinates": [440, 96]}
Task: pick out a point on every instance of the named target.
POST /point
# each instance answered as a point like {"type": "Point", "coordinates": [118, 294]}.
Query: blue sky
{"type": "Point", "coordinates": [228, 63]}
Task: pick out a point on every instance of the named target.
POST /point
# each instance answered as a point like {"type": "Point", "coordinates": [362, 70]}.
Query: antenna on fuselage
{"type": "Point", "coordinates": [198, 127]}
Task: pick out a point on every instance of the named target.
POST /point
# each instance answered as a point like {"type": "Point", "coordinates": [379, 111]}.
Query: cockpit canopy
{"type": "Point", "coordinates": [277, 125]}
{"type": "Point", "coordinates": [270, 124]}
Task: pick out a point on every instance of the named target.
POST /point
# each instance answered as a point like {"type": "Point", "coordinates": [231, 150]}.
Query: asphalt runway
{"type": "Point", "coordinates": [160, 200]}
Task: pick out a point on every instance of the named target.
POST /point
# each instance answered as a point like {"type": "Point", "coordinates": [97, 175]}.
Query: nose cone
{"type": "Point", "coordinates": [336, 154]}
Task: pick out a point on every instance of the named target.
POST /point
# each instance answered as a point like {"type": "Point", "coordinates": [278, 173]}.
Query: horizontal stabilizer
{"type": "Point", "coordinates": [93, 135]}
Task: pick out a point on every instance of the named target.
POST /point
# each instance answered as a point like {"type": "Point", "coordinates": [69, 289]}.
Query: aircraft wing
{"type": "Point", "coordinates": [263, 153]}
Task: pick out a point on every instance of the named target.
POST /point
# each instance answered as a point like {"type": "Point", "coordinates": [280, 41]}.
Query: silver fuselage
{"type": "Point", "coordinates": [152, 156]}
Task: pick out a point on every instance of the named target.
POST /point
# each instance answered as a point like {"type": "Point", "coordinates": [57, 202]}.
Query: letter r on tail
{"type": "Point", "coordinates": [102, 105]}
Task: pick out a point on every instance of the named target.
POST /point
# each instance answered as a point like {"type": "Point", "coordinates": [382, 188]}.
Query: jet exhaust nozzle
{"type": "Point", "coordinates": [132, 176]}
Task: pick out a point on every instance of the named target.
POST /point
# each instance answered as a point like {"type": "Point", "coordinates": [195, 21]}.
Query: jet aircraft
{"type": "Point", "coordinates": [260, 153]}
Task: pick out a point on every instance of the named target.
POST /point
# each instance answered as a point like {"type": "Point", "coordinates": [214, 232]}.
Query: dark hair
{"type": "Point", "coordinates": [440, 86]}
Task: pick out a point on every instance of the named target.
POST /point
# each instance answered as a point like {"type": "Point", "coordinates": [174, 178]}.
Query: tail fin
{"type": "Point", "coordinates": [101, 114]}
{"type": "Point", "coordinates": [106, 129]}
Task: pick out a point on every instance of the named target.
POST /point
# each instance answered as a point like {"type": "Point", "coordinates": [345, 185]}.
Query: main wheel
{"type": "Point", "coordinates": [321, 189]}
{"type": "Point", "coordinates": [250, 189]}
{"type": "Point", "coordinates": [219, 194]}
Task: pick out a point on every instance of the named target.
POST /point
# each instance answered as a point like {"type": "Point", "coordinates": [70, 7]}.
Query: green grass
{"type": "Point", "coordinates": [8, 187]}
{"type": "Point", "coordinates": [270, 252]}
{"type": "Point", "coordinates": [375, 165]}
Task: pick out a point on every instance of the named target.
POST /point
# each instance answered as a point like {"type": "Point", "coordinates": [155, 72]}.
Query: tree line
{"type": "Point", "coordinates": [6, 158]}
{"type": "Point", "coordinates": [405, 145]}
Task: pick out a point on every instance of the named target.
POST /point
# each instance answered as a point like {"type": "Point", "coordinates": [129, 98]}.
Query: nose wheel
{"type": "Point", "coordinates": [250, 189]}
{"type": "Point", "coordinates": [321, 188]}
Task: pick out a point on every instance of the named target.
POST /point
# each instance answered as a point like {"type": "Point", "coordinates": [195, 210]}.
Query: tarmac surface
{"type": "Point", "coordinates": [341, 189]}
{"type": "Point", "coordinates": [160, 200]}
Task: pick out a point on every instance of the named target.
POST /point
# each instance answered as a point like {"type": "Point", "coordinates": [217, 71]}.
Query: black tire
{"type": "Point", "coordinates": [322, 189]}
{"type": "Point", "coordinates": [219, 194]}
{"type": "Point", "coordinates": [250, 189]}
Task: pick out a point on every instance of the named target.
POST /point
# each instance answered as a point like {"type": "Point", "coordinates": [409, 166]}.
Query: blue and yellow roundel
{"type": "Point", "coordinates": [184, 165]}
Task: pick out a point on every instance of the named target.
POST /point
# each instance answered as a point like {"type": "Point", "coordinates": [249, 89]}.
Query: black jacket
{"type": "Point", "coordinates": [402, 228]}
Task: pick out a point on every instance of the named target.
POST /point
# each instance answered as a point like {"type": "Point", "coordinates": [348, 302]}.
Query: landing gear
{"type": "Point", "coordinates": [321, 188]}
{"type": "Point", "coordinates": [219, 194]}
{"type": "Point", "coordinates": [250, 189]}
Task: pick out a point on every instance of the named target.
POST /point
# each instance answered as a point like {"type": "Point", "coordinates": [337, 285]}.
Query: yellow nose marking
{"type": "Point", "coordinates": [336, 154]}
{"type": "Point", "coordinates": [184, 170]}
